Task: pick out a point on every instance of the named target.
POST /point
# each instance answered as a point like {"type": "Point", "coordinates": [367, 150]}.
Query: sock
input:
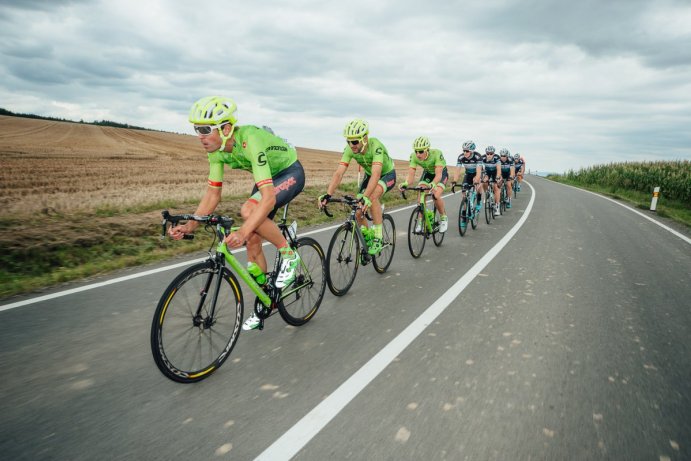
{"type": "Point", "coordinates": [286, 252]}
{"type": "Point", "coordinates": [377, 231]}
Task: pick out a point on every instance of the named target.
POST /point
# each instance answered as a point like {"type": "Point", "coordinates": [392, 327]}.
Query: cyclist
{"type": "Point", "coordinates": [492, 175]}
{"type": "Point", "coordinates": [434, 174]}
{"type": "Point", "coordinates": [470, 164]}
{"type": "Point", "coordinates": [507, 171]}
{"type": "Point", "coordinates": [380, 176]}
{"type": "Point", "coordinates": [519, 165]}
{"type": "Point", "coordinates": [278, 176]}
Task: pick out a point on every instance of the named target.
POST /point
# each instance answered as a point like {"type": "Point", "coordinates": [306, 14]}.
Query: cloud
{"type": "Point", "coordinates": [568, 84]}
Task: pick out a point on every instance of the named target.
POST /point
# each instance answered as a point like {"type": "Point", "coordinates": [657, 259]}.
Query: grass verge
{"type": "Point", "coordinates": [70, 247]}
{"type": "Point", "coordinates": [675, 210]}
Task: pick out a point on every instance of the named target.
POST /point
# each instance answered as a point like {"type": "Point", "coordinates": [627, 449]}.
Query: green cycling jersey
{"type": "Point", "coordinates": [257, 151]}
{"type": "Point", "coordinates": [433, 160]}
{"type": "Point", "coordinates": [376, 154]}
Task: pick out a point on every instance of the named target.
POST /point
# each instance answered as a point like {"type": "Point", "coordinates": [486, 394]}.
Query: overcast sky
{"type": "Point", "coordinates": [567, 84]}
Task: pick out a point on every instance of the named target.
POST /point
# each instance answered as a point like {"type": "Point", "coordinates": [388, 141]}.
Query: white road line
{"type": "Point", "coordinates": [304, 430]}
{"type": "Point", "coordinates": [60, 294]}
{"type": "Point", "coordinates": [669, 229]}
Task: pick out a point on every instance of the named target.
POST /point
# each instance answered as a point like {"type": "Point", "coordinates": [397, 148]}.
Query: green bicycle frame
{"type": "Point", "coordinates": [244, 275]}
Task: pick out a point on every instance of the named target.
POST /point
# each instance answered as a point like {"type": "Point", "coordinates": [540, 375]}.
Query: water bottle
{"type": "Point", "coordinates": [430, 217]}
{"type": "Point", "coordinates": [256, 272]}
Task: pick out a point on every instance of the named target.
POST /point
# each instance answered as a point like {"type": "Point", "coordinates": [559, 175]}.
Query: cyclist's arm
{"type": "Point", "coordinates": [460, 171]}
{"type": "Point", "coordinates": [337, 178]}
{"type": "Point", "coordinates": [437, 174]}
{"type": "Point", "coordinates": [207, 205]}
{"type": "Point", "coordinates": [478, 175]}
{"type": "Point", "coordinates": [512, 171]}
{"type": "Point", "coordinates": [411, 175]}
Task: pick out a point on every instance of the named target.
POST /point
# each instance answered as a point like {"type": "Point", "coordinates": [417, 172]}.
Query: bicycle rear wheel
{"type": "Point", "coordinates": [188, 342]}
{"type": "Point", "coordinates": [416, 240]}
{"type": "Point", "coordinates": [437, 237]}
{"type": "Point", "coordinates": [502, 201]}
{"type": "Point", "coordinates": [489, 211]}
{"type": "Point", "coordinates": [302, 298]}
{"type": "Point", "coordinates": [382, 261]}
{"type": "Point", "coordinates": [463, 213]}
{"type": "Point", "coordinates": [342, 259]}
{"type": "Point", "coordinates": [474, 212]}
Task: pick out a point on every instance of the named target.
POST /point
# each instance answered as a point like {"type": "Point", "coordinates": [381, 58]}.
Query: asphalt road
{"type": "Point", "coordinates": [571, 343]}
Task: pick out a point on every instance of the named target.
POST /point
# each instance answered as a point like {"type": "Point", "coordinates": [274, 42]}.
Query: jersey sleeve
{"type": "Point", "coordinates": [413, 161]}
{"type": "Point", "coordinates": [439, 161]}
{"type": "Point", "coordinates": [215, 171]}
{"type": "Point", "coordinates": [261, 171]}
{"type": "Point", "coordinates": [346, 157]}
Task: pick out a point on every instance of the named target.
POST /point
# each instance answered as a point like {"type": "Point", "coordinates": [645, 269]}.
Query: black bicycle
{"type": "Point", "coordinates": [423, 223]}
{"type": "Point", "coordinates": [467, 211]}
{"type": "Point", "coordinates": [197, 321]}
{"type": "Point", "coordinates": [349, 247]}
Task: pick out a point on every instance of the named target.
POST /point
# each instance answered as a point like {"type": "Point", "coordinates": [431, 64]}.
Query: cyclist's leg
{"type": "Point", "coordinates": [287, 185]}
{"type": "Point", "coordinates": [359, 216]}
{"type": "Point", "coordinates": [385, 184]}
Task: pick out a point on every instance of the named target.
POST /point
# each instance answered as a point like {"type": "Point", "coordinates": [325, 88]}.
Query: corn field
{"type": "Point", "coordinates": [673, 177]}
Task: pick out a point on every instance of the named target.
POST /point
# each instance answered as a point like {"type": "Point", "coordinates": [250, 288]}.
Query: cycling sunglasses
{"type": "Point", "coordinates": [354, 142]}
{"type": "Point", "coordinates": [206, 130]}
{"type": "Point", "coordinates": [419, 151]}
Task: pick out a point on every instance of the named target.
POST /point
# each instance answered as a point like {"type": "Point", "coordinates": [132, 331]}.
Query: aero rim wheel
{"type": "Point", "coordinates": [342, 258]}
{"type": "Point", "coordinates": [463, 213]}
{"type": "Point", "coordinates": [475, 214]}
{"type": "Point", "coordinates": [301, 299]}
{"type": "Point", "coordinates": [488, 209]}
{"type": "Point", "coordinates": [383, 260]}
{"type": "Point", "coordinates": [416, 241]}
{"type": "Point", "coordinates": [188, 341]}
{"type": "Point", "coordinates": [437, 237]}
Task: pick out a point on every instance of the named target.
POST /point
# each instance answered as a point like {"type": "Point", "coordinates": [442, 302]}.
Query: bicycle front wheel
{"type": "Point", "coordinates": [488, 209]}
{"type": "Point", "coordinates": [437, 236]}
{"type": "Point", "coordinates": [473, 212]}
{"type": "Point", "coordinates": [463, 213]}
{"type": "Point", "coordinates": [382, 261]}
{"type": "Point", "coordinates": [342, 259]}
{"type": "Point", "coordinates": [416, 240]}
{"type": "Point", "coordinates": [190, 337]}
{"type": "Point", "coordinates": [302, 298]}
{"type": "Point", "coordinates": [502, 202]}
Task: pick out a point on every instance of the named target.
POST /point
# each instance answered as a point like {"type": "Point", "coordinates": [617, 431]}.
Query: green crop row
{"type": "Point", "coordinates": [673, 177]}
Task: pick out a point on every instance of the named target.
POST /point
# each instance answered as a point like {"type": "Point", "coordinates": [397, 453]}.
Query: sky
{"type": "Point", "coordinates": [566, 84]}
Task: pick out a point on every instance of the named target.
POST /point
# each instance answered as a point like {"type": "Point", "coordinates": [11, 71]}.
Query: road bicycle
{"type": "Point", "coordinates": [515, 186]}
{"type": "Point", "coordinates": [505, 197]}
{"type": "Point", "coordinates": [489, 200]}
{"type": "Point", "coordinates": [467, 212]}
{"type": "Point", "coordinates": [423, 223]}
{"type": "Point", "coordinates": [349, 247]}
{"type": "Point", "coordinates": [198, 318]}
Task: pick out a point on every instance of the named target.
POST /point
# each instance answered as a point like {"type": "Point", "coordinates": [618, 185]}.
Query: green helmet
{"type": "Point", "coordinates": [356, 129]}
{"type": "Point", "coordinates": [213, 110]}
{"type": "Point", "coordinates": [421, 143]}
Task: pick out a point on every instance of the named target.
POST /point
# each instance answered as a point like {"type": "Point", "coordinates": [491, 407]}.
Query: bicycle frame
{"type": "Point", "coordinates": [352, 220]}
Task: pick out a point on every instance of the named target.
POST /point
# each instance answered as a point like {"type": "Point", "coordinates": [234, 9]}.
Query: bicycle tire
{"type": "Point", "coordinates": [416, 242]}
{"type": "Point", "coordinates": [514, 186]}
{"type": "Point", "coordinates": [187, 347]}
{"type": "Point", "coordinates": [463, 215]}
{"type": "Point", "coordinates": [437, 237]}
{"type": "Point", "coordinates": [489, 211]}
{"type": "Point", "coordinates": [474, 213]}
{"type": "Point", "coordinates": [343, 259]}
{"type": "Point", "coordinates": [382, 261]}
{"type": "Point", "coordinates": [502, 201]}
{"type": "Point", "coordinates": [302, 298]}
